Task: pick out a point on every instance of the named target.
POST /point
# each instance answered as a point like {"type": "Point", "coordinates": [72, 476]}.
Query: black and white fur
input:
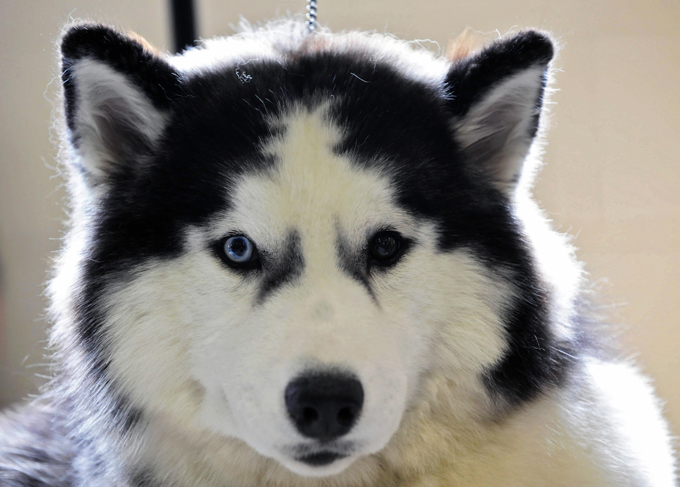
{"type": "Point", "coordinates": [472, 349]}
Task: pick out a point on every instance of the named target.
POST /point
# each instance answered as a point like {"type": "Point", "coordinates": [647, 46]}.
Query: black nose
{"type": "Point", "coordinates": [324, 406]}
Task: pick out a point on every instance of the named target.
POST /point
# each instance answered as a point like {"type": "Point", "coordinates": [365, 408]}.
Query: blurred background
{"type": "Point", "coordinates": [611, 179]}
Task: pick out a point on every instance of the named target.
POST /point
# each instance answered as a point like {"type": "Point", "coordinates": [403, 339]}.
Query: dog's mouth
{"type": "Point", "coordinates": [322, 455]}
{"type": "Point", "coordinates": [320, 459]}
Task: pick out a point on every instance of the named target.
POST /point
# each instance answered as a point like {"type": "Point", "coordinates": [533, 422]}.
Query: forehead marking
{"type": "Point", "coordinates": [316, 191]}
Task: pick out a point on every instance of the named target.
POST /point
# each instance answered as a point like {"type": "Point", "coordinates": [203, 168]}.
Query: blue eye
{"type": "Point", "coordinates": [238, 249]}
{"type": "Point", "coordinates": [238, 252]}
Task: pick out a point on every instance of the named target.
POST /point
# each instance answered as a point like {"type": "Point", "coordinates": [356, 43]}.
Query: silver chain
{"type": "Point", "coordinates": [311, 15]}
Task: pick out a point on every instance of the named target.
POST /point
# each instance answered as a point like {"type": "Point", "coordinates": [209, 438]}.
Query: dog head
{"type": "Point", "coordinates": [297, 241]}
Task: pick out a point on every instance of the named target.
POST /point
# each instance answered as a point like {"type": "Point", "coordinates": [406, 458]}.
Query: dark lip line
{"type": "Point", "coordinates": [321, 458]}
{"type": "Point", "coordinates": [342, 447]}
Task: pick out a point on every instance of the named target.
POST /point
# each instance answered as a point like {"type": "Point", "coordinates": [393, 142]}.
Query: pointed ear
{"type": "Point", "coordinates": [117, 95]}
{"type": "Point", "coordinates": [497, 101]}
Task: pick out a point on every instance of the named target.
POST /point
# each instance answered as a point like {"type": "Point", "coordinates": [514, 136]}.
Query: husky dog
{"type": "Point", "coordinates": [311, 260]}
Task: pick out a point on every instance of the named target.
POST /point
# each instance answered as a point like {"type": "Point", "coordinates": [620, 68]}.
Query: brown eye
{"type": "Point", "coordinates": [385, 248]}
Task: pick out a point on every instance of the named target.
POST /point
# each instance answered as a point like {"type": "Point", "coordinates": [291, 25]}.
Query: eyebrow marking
{"type": "Point", "coordinates": [353, 263]}
{"type": "Point", "coordinates": [284, 267]}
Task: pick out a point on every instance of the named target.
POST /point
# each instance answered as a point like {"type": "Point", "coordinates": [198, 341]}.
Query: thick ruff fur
{"type": "Point", "coordinates": [468, 344]}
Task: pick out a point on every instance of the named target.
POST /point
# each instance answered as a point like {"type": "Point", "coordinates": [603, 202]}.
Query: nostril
{"type": "Point", "coordinates": [345, 416]}
{"type": "Point", "coordinates": [324, 406]}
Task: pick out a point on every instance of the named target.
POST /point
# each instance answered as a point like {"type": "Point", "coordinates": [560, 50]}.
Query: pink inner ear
{"type": "Point", "coordinates": [498, 130]}
{"type": "Point", "coordinates": [113, 119]}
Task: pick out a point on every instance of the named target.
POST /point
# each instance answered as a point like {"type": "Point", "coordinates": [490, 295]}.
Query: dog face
{"type": "Point", "coordinates": [281, 247]}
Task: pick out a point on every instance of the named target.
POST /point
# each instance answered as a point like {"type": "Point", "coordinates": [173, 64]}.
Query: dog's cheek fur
{"type": "Point", "coordinates": [453, 306]}
{"type": "Point", "coordinates": [468, 304]}
{"type": "Point", "coordinates": [149, 331]}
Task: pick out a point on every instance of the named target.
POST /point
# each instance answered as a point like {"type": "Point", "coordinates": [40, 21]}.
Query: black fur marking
{"type": "Point", "coordinates": [155, 77]}
{"type": "Point", "coordinates": [535, 358]}
{"type": "Point", "coordinates": [471, 78]}
{"type": "Point", "coordinates": [353, 262]}
{"type": "Point", "coordinates": [281, 269]}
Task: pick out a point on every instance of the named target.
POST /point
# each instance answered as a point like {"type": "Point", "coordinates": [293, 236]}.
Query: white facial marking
{"type": "Point", "coordinates": [193, 341]}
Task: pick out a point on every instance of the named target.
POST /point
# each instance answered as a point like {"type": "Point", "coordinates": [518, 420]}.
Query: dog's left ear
{"type": "Point", "coordinates": [118, 94]}
{"type": "Point", "coordinates": [497, 96]}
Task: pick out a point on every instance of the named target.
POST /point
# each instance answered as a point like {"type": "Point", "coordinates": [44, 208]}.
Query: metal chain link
{"type": "Point", "coordinates": [311, 15]}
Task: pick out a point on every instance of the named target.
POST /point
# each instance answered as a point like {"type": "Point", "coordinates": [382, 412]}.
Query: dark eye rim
{"type": "Point", "coordinates": [403, 245]}
{"type": "Point", "coordinates": [252, 264]}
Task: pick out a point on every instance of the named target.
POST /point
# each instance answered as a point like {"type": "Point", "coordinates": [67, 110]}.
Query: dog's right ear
{"type": "Point", "coordinates": [118, 94]}
{"type": "Point", "coordinates": [496, 103]}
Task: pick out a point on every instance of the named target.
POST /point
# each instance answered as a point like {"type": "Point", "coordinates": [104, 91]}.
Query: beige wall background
{"type": "Point", "coordinates": [612, 174]}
